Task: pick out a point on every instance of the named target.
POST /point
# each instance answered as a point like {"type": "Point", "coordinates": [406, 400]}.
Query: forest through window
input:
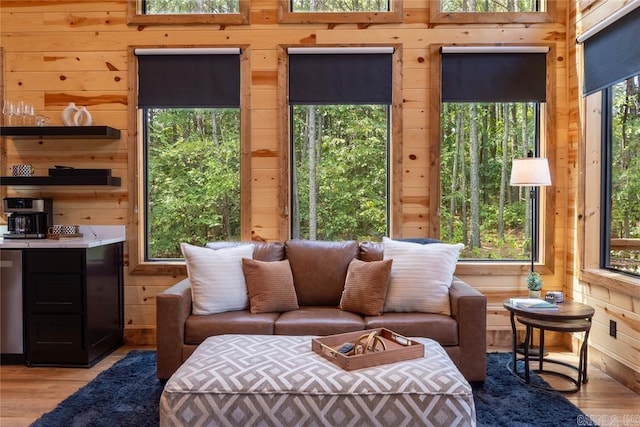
{"type": "Point", "coordinates": [339, 179]}
{"type": "Point", "coordinates": [177, 7]}
{"type": "Point", "coordinates": [478, 207]}
{"type": "Point", "coordinates": [491, 5]}
{"type": "Point", "coordinates": [192, 163]}
{"type": "Point", "coordinates": [340, 5]}
{"type": "Point", "coordinates": [622, 166]}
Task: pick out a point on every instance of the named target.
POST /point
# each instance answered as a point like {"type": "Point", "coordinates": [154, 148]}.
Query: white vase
{"type": "Point", "coordinates": [68, 114]}
{"type": "Point", "coordinates": [82, 117]}
{"type": "Point", "coordinates": [534, 294]}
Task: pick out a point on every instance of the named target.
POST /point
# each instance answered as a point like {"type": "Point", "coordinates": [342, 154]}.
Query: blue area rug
{"type": "Point", "coordinates": [127, 394]}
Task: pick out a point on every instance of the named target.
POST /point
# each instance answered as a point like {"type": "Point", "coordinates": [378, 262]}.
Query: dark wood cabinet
{"type": "Point", "coordinates": [73, 304]}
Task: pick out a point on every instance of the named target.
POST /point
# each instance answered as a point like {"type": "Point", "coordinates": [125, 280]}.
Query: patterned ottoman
{"type": "Point", "coordinates": [275, 380]}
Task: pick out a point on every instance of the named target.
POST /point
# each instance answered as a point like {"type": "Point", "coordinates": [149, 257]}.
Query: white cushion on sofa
{"type": "Point", "coordinates": [217, 280]}
{"type": "Point", "coordinates": [420, 276]}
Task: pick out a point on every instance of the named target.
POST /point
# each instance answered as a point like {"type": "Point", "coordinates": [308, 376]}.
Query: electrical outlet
{"type": "Point", "coordinates": [613, 328]}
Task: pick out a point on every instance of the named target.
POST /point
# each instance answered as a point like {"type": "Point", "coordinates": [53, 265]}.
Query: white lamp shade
{"type": "Point", "coordinates": [530, 172]}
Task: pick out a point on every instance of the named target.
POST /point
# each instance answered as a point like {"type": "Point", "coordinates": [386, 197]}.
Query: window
{"type": "Point", "coordinates": [492, 12]}
{"type": "Point", "coordinates": [189, 114]}
{"type": "Point", "coordinates": [612, 75]}
{"type": "Point", "coordinates": [188, 7]}
{"type": "Point", "coordinates": [340, 6]}
{"type": "Point", "coordinates": [340, 112]}
{"type": "Point", "coordinates": [621, 163]}
{"type": "Point", "coordinates": [493, 109]}
{"type": "Point", "coordinates": [181, 12]}
{"type": "Point", "coordinates": [343, 11]}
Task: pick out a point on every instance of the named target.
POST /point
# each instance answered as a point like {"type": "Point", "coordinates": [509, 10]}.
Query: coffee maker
{"type": "Point", "coordinates": [29, 218]}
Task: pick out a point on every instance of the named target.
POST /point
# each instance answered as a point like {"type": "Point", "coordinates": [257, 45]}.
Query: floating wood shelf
{"type": "Point", "coordinates": [60, 132]}
{"type": "Point", "coordinates": [111, 181]}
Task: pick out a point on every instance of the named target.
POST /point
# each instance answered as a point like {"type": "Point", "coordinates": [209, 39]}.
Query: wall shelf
{"type": "Point", "coordinates": [60, 132]}
{"type": "Point", "coordinates": [111, 181]}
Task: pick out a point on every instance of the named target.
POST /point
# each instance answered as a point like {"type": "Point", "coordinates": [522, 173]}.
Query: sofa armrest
{"type": "Point", "coordinates": [469, 308]}
{"type": "Point", "coordinates": [173, 306]}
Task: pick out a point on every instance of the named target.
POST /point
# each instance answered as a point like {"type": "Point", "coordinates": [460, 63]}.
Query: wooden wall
{"type": "Point", "coordinates": [615, 297]}
{"type": "Point", "coordinates": [76, 51]}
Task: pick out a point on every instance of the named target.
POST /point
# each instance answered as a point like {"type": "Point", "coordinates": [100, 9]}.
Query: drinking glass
{"type": "Point", "coordinates": [19, 113]}
{"type": "Point", "coordinates": [29, 115]}
{"type": "Point", "coordinates": [8, 112]}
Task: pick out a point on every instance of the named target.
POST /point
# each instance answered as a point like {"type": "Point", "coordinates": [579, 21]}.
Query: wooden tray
{"type": "Point", "coordinates": [398, 348]}
{"type": "Point", "coordinates": [63, 236]}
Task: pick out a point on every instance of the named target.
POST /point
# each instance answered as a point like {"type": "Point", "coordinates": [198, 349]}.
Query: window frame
{"type": "Point", "coordinates": [590, 207]}
{"type": "Point", "coordinates": [136, 17]}
{"type": "Point", "coordinates": [136, 151]}
{"type": "Point", "coordinates": [286, 16]}
{"type": "Point", "coordinates": [546, 262]}
{"type": "Point", "coordinates": [394, 166]}
{"type": "Point", "coordinates": [436, 16]}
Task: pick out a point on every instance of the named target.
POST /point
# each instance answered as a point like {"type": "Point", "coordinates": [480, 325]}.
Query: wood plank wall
{"type": "Point", "coordinates": [615, 297]}
{"type": "Point", "coordinates": [76, 51]}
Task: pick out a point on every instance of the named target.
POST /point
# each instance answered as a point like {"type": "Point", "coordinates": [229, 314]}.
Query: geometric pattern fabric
{"type": "Point", "coordinates": [276, 380]}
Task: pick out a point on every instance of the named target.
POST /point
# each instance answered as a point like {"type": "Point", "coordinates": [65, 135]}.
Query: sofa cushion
{"type": "Point", "coordinates": [217, 280]}
{"type": "Point", "coordinates": [319, 269]}
{"type": "Point", "coordinates": [199, 328]}
{"type": "Point", "coordinates": [365, 288]}
{"type": "Point", "coordinates": [420, 276]}
{"type": "Point", "coordinates": [318, 321]}
{"type": "Point", "coordinates": [441, 328]}
{"type": "Point", "coordinates": [270, 286]}
{"type": "Point", "coordinates": [263, 251]}
{"type": "Point", "coordinates": [371, 251]}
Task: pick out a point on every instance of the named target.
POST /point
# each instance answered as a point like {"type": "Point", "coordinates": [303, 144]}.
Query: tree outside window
{"type": "Point", "coordinates": [484, 6]}
{"type": "Point", "coordinates": [339, 164]}
{"type": "Point", "coordinates": [622, 167]}
{"type": "Point", "coordinates": [192, 166]}
{"type": "Point", "coordinates": [478, 206]}
{"type": "Point", "coordinates": [340, 5]}
{"type": "Point", "coordinates": [160, 7]}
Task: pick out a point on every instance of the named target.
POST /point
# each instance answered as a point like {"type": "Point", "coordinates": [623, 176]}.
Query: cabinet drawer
{"type": "Point", "coordinates": [55, 261]}
{"type": "Point", "coordinates": [55, 338]}
{"type": "Point", "coordinates": [61, 293]}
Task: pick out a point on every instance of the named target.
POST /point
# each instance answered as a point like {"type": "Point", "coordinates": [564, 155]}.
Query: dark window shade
{"type": "Point", "coordinates": [321, 79]}
{"type": "Point", "coordinates": [612, 55]}
{"type": "Point", "coordinates": [494, 77]}
{"type": "Point", "coordinates": [188, 81]}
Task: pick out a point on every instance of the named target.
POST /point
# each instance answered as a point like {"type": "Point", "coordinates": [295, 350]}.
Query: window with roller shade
{"type": "Point", "coordinates": [492, 111]}
{"type": "Point", "coordinates": [612, 68]}
{"type": "Point", "coordinates": [339, 106]}
{"type": "Point", "coordinates": [189, 107]}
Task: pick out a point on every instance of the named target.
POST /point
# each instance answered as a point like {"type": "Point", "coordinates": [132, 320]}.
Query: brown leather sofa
{"type": "Point", "coordinates": [463, 334]}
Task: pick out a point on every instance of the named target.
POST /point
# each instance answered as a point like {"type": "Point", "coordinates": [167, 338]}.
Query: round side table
{"type": "Point", "coordinates": [568, 316]}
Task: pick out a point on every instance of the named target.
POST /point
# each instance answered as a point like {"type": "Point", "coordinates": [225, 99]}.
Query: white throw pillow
{"type": "Point", "coordinates": [217, 280]}
{"type": "Point", "coordinates": [420, 276]}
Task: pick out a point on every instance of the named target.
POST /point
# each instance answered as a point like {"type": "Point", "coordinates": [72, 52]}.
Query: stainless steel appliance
{"type": "Point", "coordinates": [29, 218]}
{"type": "Point", "coordinates": [11, 326]}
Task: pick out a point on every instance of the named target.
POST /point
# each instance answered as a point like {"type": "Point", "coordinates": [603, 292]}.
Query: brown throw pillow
{"type": "Point", "coordinates": [270, 286]}
{"type": "Point", "coordinates": [365, 288]}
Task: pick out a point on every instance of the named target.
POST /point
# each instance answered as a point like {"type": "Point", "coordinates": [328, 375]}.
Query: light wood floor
{"type": "Point", "coordinates": [27, 393]}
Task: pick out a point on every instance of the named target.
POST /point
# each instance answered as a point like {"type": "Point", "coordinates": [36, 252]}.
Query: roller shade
{"type": "Point", "coordinates": [494, 77]}
{"type": "Point", "coordinates": [336, 78]}
{"type": "Point", "coordinates": [188, 80]}
{"type": "Point", "coordinates": [613, 54]}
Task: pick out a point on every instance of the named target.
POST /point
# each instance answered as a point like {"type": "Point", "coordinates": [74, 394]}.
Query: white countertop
{"type": "Point", "coordinates": [93, 235]}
